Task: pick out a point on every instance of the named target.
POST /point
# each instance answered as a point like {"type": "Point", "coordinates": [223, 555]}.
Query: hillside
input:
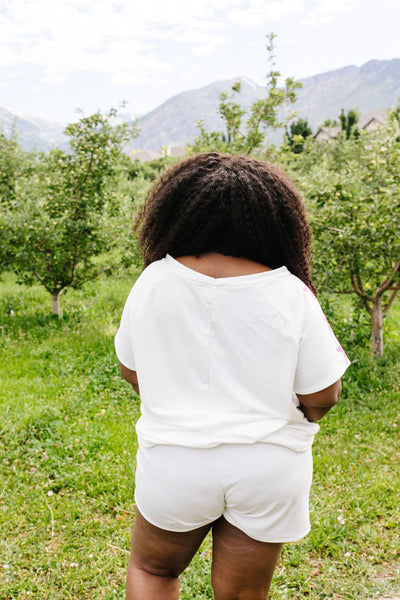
{"type": "Point", "coordinates": [174, 122]}
{"type": "Point", "coordinates": [373, 86]}
{"type": "Point", "coordinates": [40, 133]}
{"type": "Point", "coordinates": [33, 132]}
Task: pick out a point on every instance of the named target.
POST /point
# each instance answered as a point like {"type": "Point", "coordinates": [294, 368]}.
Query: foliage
{"type": "Point", "coordinates": [148, 170]}
{"type": "Point", "coordinates": [68, 444]}
{"type": "Point", "coordinates": [300, 130]}
{"type": "Point", "coordinates": [348, 123]}
{"type": "Point", "coordinates": [231, 113]}
{"type": "Point", "coordinates": [133, 185]}
{"type": "Point", "coordinates": [354, 200]}
{"type": "Point", "coordinates": [11, 166]}
{"type": "Point", "coordinates": [330, 123]}
{"type": "Point", "coordinates": [264, 114]}
{"type": "Point", "coordinates": [14, 164]}
{"type": "Point", "coordinates": [66, 211]}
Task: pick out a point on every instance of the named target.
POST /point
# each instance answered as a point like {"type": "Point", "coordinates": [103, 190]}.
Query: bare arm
{"type": "Point", "coordinates": [315, 406]}
{"type": "Point", "coordinates": [131, 377]}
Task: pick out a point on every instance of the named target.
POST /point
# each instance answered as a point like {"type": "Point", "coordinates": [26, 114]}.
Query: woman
{"type": "Point", "coordinates": [234, 361]}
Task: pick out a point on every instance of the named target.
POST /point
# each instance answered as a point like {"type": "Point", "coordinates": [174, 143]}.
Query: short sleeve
{"type": "Point", "coordinates": [321, 359]}
{"type": "Point", "coordinates": [123, 342]}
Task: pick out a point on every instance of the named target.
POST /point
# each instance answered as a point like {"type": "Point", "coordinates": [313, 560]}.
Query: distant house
{"type": "Point", "coordinates": [325, 134]}
{"type": "Point", "coordinates": [367, 122]}
{"type": "Point", "coordinates": [371, 120]}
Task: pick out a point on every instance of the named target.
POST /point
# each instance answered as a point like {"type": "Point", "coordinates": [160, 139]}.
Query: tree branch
{"type": "Point", "coordinates": [89, 168]}
{"type": "Point", "coordinates": [357, 286]}
{"type": "Point", "coordinates": [367, 306]}
{"type": "Point", "coordinates": [391, 299]}
{"type": "Point", "coordinates": [359, 282]}
{"type": "Point", "coordinates": [40, 279]}
{"type": "Point", "coordinates": [387, 285]}
{"type": "Point", "coordinates": [79, 197]}
{"type": "Point", "coordinates": [366, 300]}
{"type": "Point", "coordinates": [94, 275]}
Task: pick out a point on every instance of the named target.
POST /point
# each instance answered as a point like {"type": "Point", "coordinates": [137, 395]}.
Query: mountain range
{"type": "Point", "coordinates": [373, 86]}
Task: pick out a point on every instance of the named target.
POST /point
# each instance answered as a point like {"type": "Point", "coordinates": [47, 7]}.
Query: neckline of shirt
{"type": "Point", "coordinates": [218, 281]}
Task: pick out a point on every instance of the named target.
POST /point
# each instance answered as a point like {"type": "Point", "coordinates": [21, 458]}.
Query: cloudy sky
{"type": "Point", "coordinates": [58, 55]}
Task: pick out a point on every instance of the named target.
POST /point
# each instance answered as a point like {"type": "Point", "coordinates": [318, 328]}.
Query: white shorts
{"type": "Point", "coordinates": [263, 489]}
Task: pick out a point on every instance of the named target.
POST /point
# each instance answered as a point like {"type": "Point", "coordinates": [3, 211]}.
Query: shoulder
{"type": "Point", "coordinates": [287, 287]}
{"type": "Point", "coordinates": [299, 290]}
{"type": "Point", "coordinates": [292, 299]}
{"type": "Point", "coordinates": [148, 280]}
{"type": "Point", "coordinates": [153, 272]}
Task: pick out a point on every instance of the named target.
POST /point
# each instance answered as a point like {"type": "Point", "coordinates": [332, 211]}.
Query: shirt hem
{"type": "Point", "coordinates": [299, 448]}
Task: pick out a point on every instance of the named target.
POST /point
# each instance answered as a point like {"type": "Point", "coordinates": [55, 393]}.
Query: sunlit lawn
{"type": "Point", "coordinates": [67, 444]}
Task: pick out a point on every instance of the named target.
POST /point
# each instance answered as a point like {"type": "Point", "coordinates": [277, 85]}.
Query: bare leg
{"type": "Point", "coordinates": [157, 559]}
{"type": "Point", "coordinates": [242, 567]}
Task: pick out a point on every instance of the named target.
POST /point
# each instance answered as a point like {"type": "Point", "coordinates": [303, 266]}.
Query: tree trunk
{"type": "Point", "coordinates": [55, 306]}
{"type": "Point", "coordinates": [377, 328]}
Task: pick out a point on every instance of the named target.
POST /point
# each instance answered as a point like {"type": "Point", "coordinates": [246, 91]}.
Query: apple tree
{"type": "Point", "coordinates": [353, 192]}
{"type": "Point", "coordinates": [265, 113]}
{"type": "Point", "coordinates": [66, 212]}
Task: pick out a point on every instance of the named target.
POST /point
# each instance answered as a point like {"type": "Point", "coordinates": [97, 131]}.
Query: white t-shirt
{"type": "Point", "coordinates": [220, 360]}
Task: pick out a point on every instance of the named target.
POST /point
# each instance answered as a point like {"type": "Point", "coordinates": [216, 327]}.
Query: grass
{"type": "Point", "coordinates": [67, 460]}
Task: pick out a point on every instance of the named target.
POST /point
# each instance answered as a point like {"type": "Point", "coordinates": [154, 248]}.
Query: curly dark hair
{"type": "Point", "coordinates": [234, 205]}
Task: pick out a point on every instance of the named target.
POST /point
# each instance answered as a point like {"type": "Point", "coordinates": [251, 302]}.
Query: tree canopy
{"type": "Point", "coordinates": [354, 199]}
{"type": "Point", "coordinates": [298, 132]}
{"type": "Point", "coordinates": [64, 210]}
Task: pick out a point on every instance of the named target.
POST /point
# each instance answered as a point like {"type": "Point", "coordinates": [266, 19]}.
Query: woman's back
{"type": "Point", "coordinates": [218, 358]}
{"type": "Point", "coordinates": [234, 362]}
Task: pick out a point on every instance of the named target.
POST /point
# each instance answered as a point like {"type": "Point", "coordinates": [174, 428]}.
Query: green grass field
{"type": "Point", "coordinates": [67, 460]}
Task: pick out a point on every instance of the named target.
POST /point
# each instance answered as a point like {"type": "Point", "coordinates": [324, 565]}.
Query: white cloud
{"type": "Point", "coordinates": [257, 12]}
{"type": "Point", "coordinates": [326, 10]}
{"type": "Point", "coordinates": [122, 38]}
{"type": "Point", "coordinates": [208, 44]}
{"type": "Point", "coordinates": [132, 42]}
